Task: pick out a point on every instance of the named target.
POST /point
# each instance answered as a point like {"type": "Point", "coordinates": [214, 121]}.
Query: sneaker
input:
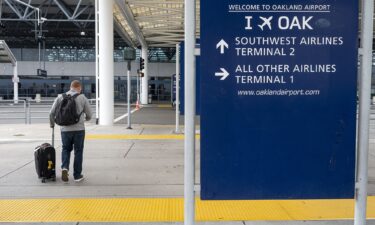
{"type": "Point", "coordinates": [65, 175]}
{"type": "Point", "coordinates": [79, 179]}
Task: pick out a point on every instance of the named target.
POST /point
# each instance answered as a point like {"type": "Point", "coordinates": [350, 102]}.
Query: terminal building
{"type": "Point", "coordinates": [67, 52]}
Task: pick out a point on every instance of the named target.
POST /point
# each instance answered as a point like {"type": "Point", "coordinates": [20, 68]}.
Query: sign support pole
{"type": "Point", "coordinates": [128, 95]}
{"type": "Point", "coordinates": [364, 112]}
{"type": "Point", "coordinates": [15, 82]}
{"type": "Point", "coordinates": [138, 89]}
{"type": "Point", "coordinates": [177, 88]}
{"type": "Point", "coordinates": [96, 62]}
{"type": "Point", "coordinates": [190, 93]}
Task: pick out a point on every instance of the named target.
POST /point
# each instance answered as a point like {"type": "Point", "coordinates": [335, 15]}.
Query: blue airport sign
{"type": "Point", "coordinates": [278, 106]}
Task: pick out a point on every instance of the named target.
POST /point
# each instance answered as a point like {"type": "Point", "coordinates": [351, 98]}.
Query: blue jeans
{"type": "Point", "coordinates": [72, 139]}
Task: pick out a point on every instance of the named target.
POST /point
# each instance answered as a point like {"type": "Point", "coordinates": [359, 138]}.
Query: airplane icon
{"type": "Point", "coordinates": [266, 22]}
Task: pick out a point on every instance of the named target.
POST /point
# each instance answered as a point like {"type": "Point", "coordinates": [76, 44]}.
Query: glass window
{"type": "Point", "coordinates": [70, 54]}
{"type": "Point", "coordinates": [52, 55]}
{"type": "Point", "coordinates": [65, 55]}
{"type": "Point", "coordinates": [29, 54]}
{"type": "Point", "coordinates": [17, 52]}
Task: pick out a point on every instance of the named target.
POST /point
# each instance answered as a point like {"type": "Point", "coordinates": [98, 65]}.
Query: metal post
{"type": "Point", "coordinates": [39, 49]}
{"type": "Point", "coordinates": [44, 55]}
{"type": "Point", "coordinates": [106, 69]}
{"type": "Point", "coordinates": [177, 88]}
{"type": "Point", "coordinates": [25, 107]}
{"type": "Point", "coordinates": [28, 110]}
{"type": "Point", "coordinates": [364, 112]}
{"type": "Point", "coordinates": [128, 95]}
{"type": "Point", "coordinates": [189, 112]}
{"type": "Point", "coordinates": [138, 88]}
{"type": "Point", "coordinates": [144, 91]}
{"type": "Point", "coordinates": [96, 62]}
{"type": "Point", "coordinates": [15, 83]}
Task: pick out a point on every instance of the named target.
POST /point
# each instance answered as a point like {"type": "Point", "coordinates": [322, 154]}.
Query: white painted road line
{"type": "Point", "coordinates": [124, 116]}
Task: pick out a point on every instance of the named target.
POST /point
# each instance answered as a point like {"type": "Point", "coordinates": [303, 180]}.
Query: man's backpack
{"type": "Point", "coordinates": [66, 111]}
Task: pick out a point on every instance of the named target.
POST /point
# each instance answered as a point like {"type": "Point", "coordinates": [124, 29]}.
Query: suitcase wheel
{"type": "Point", "coordinates": [44, 180]}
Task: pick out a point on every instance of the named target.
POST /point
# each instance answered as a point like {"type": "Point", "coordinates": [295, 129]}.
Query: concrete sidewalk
{"type": "Point", "coordinates": [112, 168]}
{"type": "Point", "coordinates": [117, 164]}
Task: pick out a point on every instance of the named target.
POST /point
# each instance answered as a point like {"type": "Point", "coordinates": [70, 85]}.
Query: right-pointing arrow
{"type": "Point", "coordinates": [222, 45]}
{"type": "Point", "coordinates": [223, 74]}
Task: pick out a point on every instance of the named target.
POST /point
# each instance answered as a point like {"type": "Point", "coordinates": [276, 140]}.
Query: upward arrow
{"type": "Point", "coordinates": [222, 45]}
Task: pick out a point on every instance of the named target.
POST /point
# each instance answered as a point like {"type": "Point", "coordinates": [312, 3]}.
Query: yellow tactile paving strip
{"type": "Point", "coordinates": [164, 106]}
{"type": "Point", "coordinates": [171, 209]}
{"type": "Point", "coordinates": [136, 137]}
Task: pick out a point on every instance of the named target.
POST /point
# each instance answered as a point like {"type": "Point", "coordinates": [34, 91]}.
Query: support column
{"type": "Point", "coordinates": [364, 112]}
{"type": "Point", "coordinates": [96, 62]}
{"type": "Point", "coordinates": [144, 90]}
{"type": "Point", "coordinates": [106, 77]}
{"type": "Point", "coordinates": [15, 83]}
{"type": "Point", "coordinates": [190, 104]}
{"type": "Point", "coordinates": [129, 87]}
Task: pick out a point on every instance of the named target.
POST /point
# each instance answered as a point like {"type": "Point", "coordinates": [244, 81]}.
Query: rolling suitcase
{"type": "Point", "coordinates": [45, 160]}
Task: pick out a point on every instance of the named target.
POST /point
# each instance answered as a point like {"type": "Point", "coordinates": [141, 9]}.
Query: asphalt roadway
{"type": "Point", "coordinates": [11, 113]}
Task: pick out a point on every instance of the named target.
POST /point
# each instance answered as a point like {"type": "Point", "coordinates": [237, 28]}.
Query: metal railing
{"type": "Point", "coordinates": [41, 107]}
{"type": "Point", "coordinates": [11, 110]}
{"type": "Point", "coordinates": [28, 110]}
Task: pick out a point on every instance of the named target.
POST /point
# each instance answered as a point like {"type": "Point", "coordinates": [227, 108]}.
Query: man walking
{"type": "Point", "coordinates": [70, 112]}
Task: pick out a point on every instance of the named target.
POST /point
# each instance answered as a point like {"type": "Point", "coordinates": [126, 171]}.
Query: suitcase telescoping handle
{"type": "Point", "coordinates": [53, 136]}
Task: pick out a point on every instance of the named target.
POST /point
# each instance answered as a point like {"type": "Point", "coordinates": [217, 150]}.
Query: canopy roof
{"type": "Point", "coordinates": [6, 56]}
{"type": "Point", "coordinates": [157, 23]}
